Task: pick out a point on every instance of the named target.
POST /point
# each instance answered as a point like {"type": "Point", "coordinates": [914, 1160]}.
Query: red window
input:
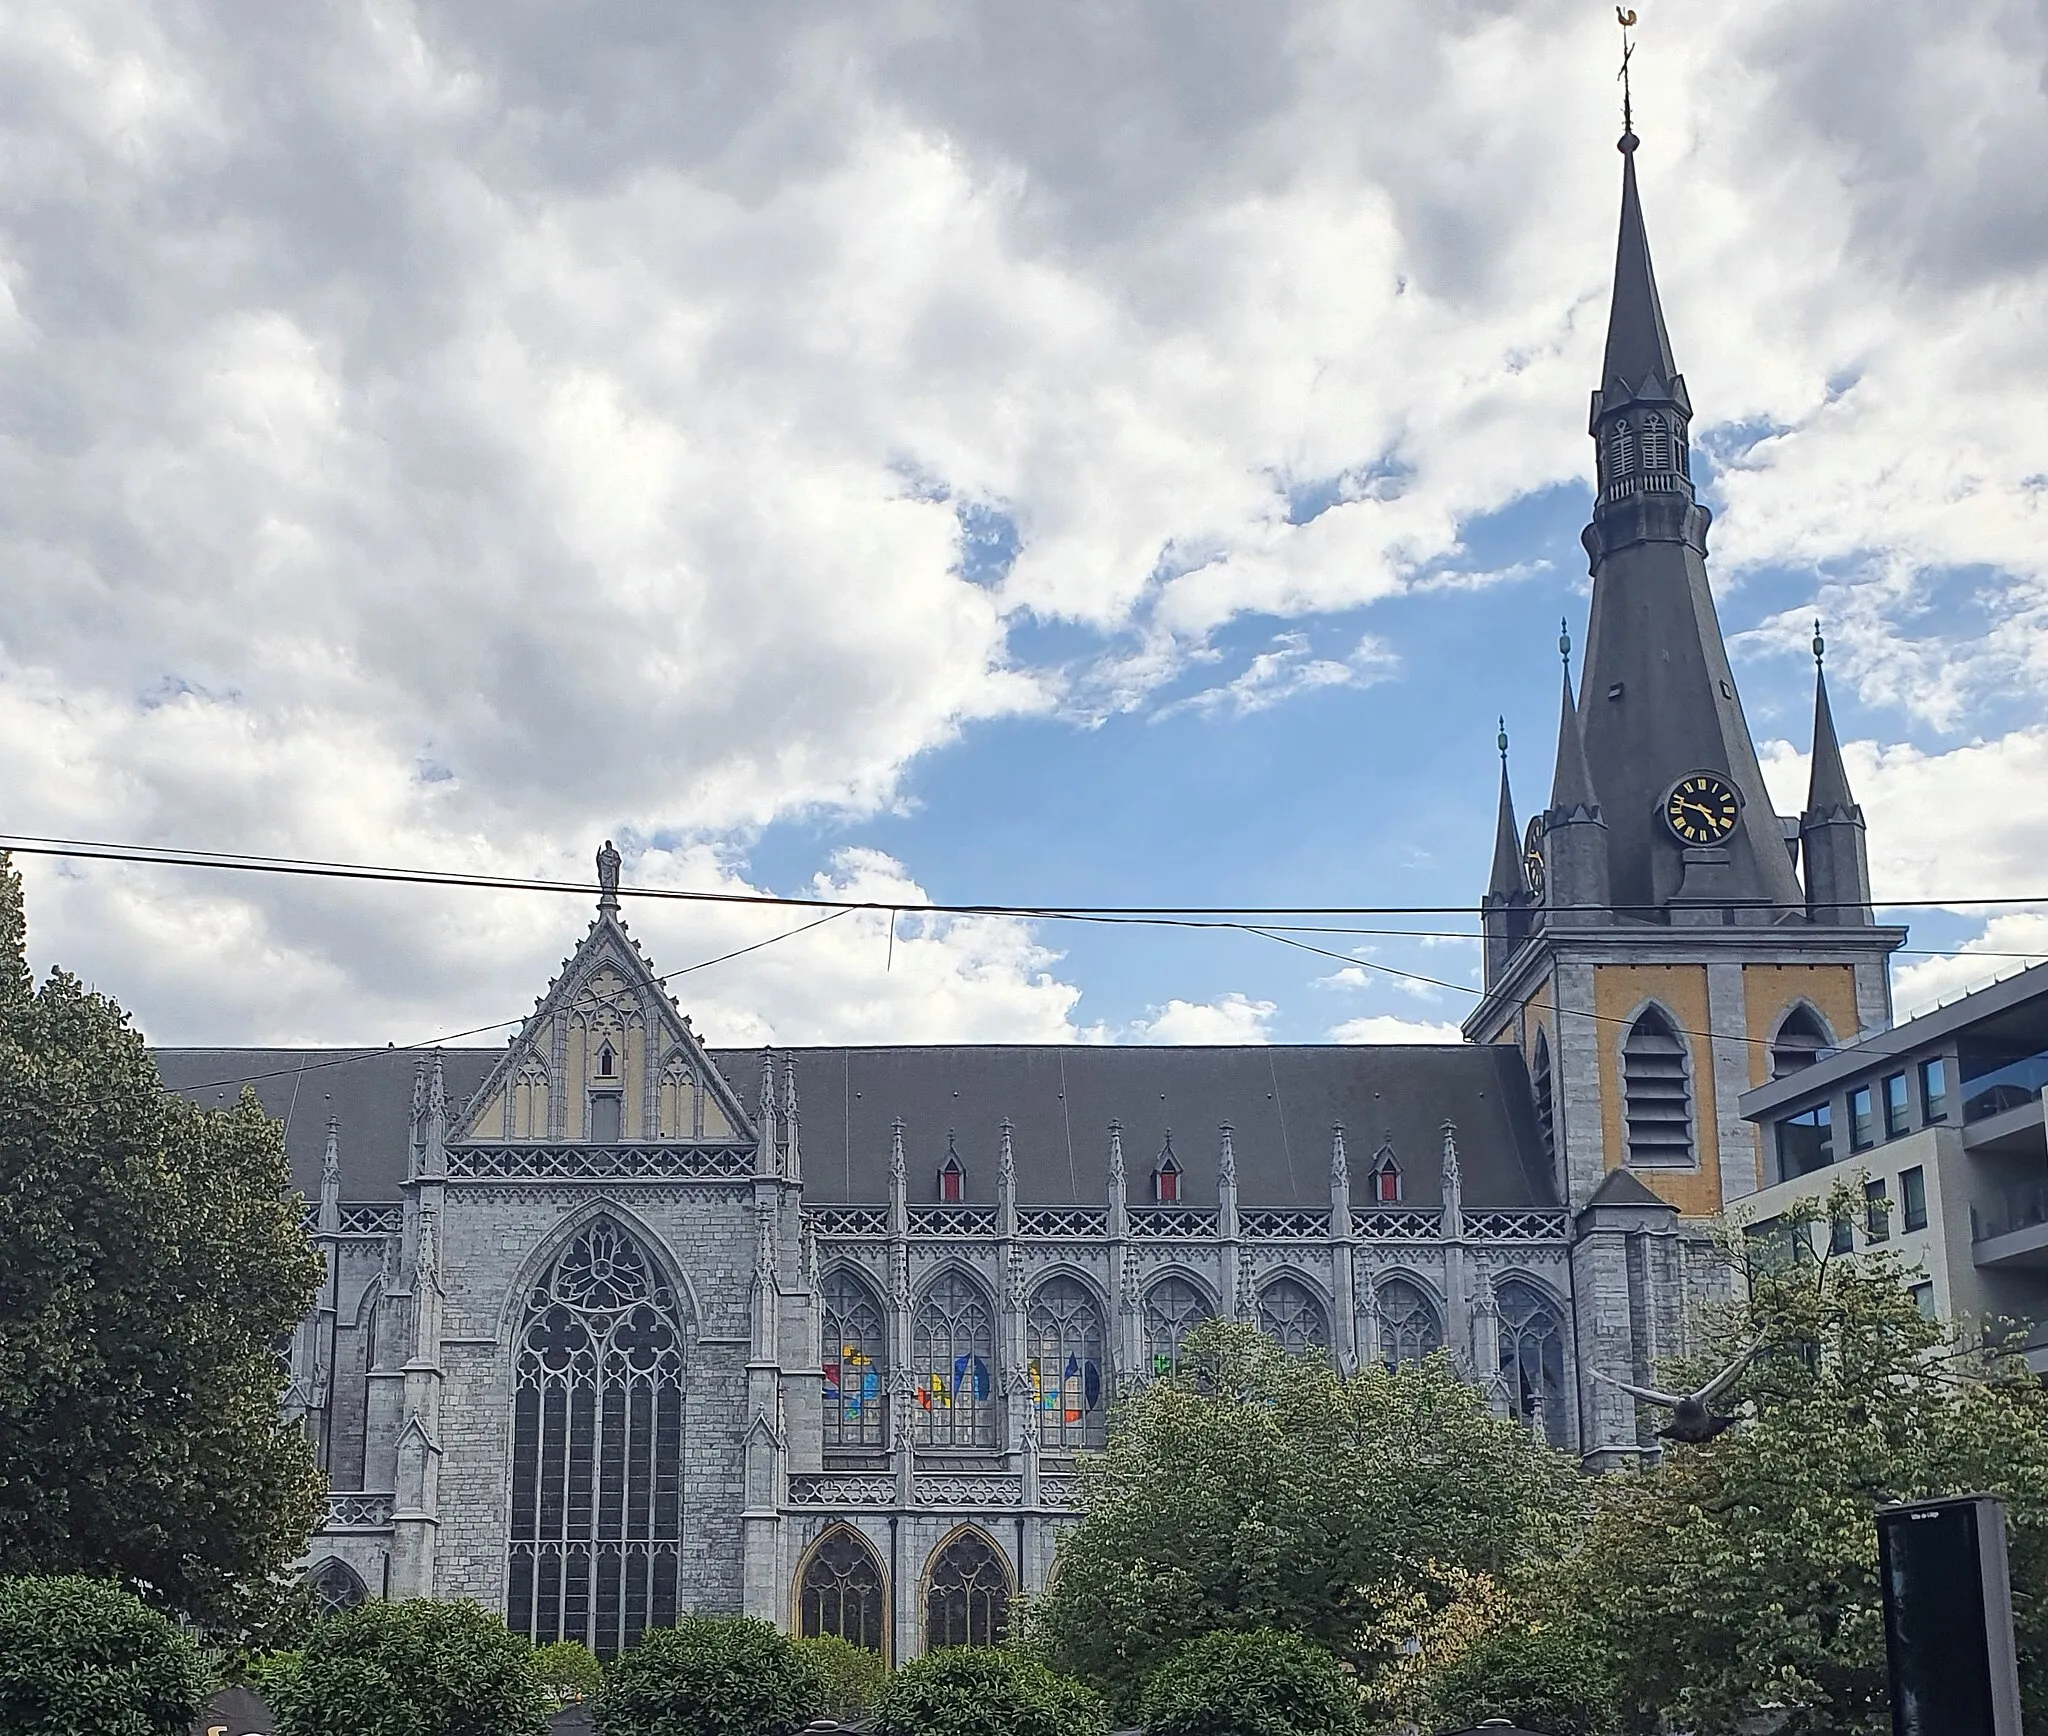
{"type": "Point", "coordinates": [1166, 1185]}
{"type": "Point", "coordinates": [950, 1179]}
{"type": "Point", "coordinates": [1386, 1185]}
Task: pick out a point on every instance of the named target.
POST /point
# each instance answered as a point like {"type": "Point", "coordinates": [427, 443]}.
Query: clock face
{"type": "Point", "coordinates": [1532, 854]}
{"type": "Point", "coordinates": [1702, 808]}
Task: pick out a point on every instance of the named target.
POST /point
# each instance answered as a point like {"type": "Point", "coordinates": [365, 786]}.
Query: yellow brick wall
{"type": "Point", "coordinates": [1768, 989]}
{"type": "Point", "coordinates": [1618, 989]}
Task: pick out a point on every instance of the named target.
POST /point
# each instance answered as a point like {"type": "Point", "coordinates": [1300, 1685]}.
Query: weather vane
{"type": "Point", "coordinates": [1626, 17]}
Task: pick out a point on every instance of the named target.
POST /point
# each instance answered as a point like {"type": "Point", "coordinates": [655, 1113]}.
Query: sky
{"type": "Point", "coordinates": [946, 451]}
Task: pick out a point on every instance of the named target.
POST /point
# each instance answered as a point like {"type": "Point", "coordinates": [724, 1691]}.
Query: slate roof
{"type": "Point", "coordinates": [1281, 1101]}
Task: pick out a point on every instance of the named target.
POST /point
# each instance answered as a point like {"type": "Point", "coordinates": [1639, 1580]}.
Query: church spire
{"type": "Point", "coordinates": [1831, 834]}
{"type": "Point", "coordinates": [1507, 879]}
{"type": "Point", "coordinates": [1574, 832]}
{"type": "Point", "coordinates": [1571, 783]}
{"type": "Point", "coordinates": [1638, 346]}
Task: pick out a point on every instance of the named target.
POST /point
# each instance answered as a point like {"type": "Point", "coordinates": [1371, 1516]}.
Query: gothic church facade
{"type": "Point", "coordinates": [618, 1326]}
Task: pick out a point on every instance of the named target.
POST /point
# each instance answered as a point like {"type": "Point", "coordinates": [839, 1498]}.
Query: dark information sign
{"type": "Point", "coordinates": [1948, 1618]}
{"type": "Point", "coordinates": [234, 1712]}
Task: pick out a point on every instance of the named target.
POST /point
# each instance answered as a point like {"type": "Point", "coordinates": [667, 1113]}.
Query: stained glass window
{"type": "Point", "coordinates": [1290, 1313]}
{"type": "Point", "coordinates": [337, 1587]}
{"type": "Point", "coordinates": [597, 1434]}
{"type": "Point", "coordinates": [855, 1358]}
{"type": "Point", "coordinates": [1064, 1330]}
{"type": "Point", "coordinates": [1410, 1327]}
{"type": "Point", "coordinates": [952, 1340]}
{"type": "Point", "coordinates": [967, 1597]}
{"type": "Point", "coordinates": [1173, 1309]}
{"type": "Point", "coordinates": [1532, 1358]}
{"type": "Point", "coordinates": [841, 1594]}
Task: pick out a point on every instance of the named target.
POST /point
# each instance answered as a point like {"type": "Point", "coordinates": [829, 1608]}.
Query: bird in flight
{"type": "Point", "coordinates": [1692, 1419]}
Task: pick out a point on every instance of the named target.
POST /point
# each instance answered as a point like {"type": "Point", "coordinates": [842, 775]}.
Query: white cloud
{"type": "Point", "coordinates": [1386, 1028]}
{"type": "Point", "coordinates": [1231, 1018]}
{"type": "Point", "coordinates": [453, 435]}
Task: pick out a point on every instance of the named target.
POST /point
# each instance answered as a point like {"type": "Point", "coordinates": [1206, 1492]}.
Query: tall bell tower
{"type": "Point", "coordinates": [1664, 940]}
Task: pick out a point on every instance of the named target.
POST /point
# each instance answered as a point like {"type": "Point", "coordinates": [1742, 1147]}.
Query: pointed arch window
{"type": "Point", "coordinates": [1621, 452]}
{"type": "Point", "coordinates": [1063, 1330]}
{"type": "Point", "coordinates": [967, 1594]}
{"type": "Point", "coordinates": [952, 1176]}
{"type": "Point", "coordinates": [1166, 1178]}
{"type": "Point", "coordinates": [597, 1447]}
{"type": "Point", "coordinates": [952, 1338]}
{"type": "Point", "coordinates": [607, 1061]}
{"type": "Point", "coordinates": [1544, 1087]}
{"type": "Point", "coordinates": [1532, 1358]}
{"type": "Point", "coordinates": [1656, 1092]}
{"type": "Point", "coordinates": [841, 1594]}
{"type": "Point", "coordinates": [1800, 1042]}
{"type": "Point", "coordinates": [1386, 1177]}
{"type": "Point", "coordinates": [1173, 1309]}
{"type": "Point", "coordinates": [337, 1587]}
{"type": "Point", "coordinates": [1290, 1314]}
{"type": "Point", "coordinates": [1410, 1326]}
{"type": "Point", "coordinates": [855, 1358]}
{"type": "Point", "coordinates": [675, 1100]}
{"type": "Point", "coordinates": [1656, 442]}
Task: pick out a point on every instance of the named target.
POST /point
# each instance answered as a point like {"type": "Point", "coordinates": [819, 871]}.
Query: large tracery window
{"type": "Point", "coordinates": [952, 1340]}
{"type": "Point", "coordinates": [855, 1359]}
{"type": "Point", "coordinates": [841, 1593]}
{"type": "Point", "coordinates": [1173, 1309]}
{"type": "Point", "coordinates": [1065, 1331]}
{"type": "Point", "coordinates": [597, 1449]}
{"type": "Point", "coordinates": [1410, 1327]}
{"type": "Point", "coordinates": [1290, 1314]}
{"type": "Point", "coordinates": [337, 1587]}
{"type": "Point", "coordinates": [1532, 1358]}
{"type": "Point", "coordinates": [967, 1596]}
{"type": "Point", "coordinates": [1656, 1094]}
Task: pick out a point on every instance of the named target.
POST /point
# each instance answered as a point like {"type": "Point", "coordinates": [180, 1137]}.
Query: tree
{"type": "Point", "coordinates": [1250, 1684]}
{"type": "Point", "coordinates": [82, 1657]}
{"type": "Point", "coordinates": [151, 1261]}
{"type": "Point", "coordinates": [1251, 1489]}
{"type": "Point", "coordinates": [1739, 1578]}
{"type": "Point", "coordinates": [712, 1676]}
{"type": "Point", "coordinates": [984, 1691]}
{"type": "Point", "coordinates": [417, 1668]}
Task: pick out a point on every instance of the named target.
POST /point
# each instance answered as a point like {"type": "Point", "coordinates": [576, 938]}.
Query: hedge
{"type": "Point", "coordinates": [82, 1657]}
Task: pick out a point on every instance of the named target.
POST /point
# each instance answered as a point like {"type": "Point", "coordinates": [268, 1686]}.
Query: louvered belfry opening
{"type": "Point", "coordinates": [1656, 1094]}
{"type": "Point", "coordinates": [1546, 1100]}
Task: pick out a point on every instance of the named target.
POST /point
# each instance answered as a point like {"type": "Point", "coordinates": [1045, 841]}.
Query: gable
{"type": "Point", "coordinates": [606, 1056]}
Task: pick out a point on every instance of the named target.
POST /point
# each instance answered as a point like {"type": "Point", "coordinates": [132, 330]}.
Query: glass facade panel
{"type": "Point", "coordinates": [1934, 1090]}
{"type": "Point", "coordinates": [1862, 1118]}
{"type": "Point", "coordinates": [1806, 1142]}
{"type": "Point", "coordinates": [1913, 1197]}
{"type": "Point", "coordinates": [1897, 1117]}
{"type": "Point", "coordinates": [1877, 1212]}
{"type": "Point", "coordinates": [1842, 1235]}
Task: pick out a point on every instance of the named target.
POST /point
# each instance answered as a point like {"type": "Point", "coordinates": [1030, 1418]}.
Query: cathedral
{"type": "Point", "coordinates": [617, 1325]}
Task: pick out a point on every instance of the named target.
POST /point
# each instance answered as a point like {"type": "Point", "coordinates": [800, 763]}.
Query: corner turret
{"type": "Point", "coordinates": [1832, 848]}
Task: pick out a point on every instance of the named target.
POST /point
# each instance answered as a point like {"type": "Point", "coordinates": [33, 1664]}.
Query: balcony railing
{"type": "Point", "coordinates": [2018, 1208]}
{"type": "Point", "coordinates": [360, 1512]}
{"type": "Point", "coordinates": [2012, 1086]}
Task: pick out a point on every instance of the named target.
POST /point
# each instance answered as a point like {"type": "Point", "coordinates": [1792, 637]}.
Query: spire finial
{"type": "Point", "coordinates": [1820, 645]}
{"type": "Point", "coordinates": [1625, 16]}
{"type": "Point", "coordinates": [1501, 741]}
{"type": "Point", "coordinates": [1564, 640]}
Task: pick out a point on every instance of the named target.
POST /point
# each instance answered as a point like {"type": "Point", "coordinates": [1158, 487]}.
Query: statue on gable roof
{"type": "Point", "coordinates": [608, 874]}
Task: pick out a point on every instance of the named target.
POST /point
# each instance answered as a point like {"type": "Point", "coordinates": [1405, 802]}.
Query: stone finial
{"type": "Point", "coordinates": [1454, 1183]}
{"type": "Point", "coordinates": [792, 1162]}
{"type": "Point", "coordinates": [1226, 1160]}
{"type": "Point", "coordinates": [330, 1177]}
{"type": "Point", "coordinates": [1006, 1159]}
{"type": "Point", "coordinates": [898, 1173]}
{"type": "Point", "coordinates": [1117, 1180]}
{"type": "Point", "coordinates": [1340, 1165]}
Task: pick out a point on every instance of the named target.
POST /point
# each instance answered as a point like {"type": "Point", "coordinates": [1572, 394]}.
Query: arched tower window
{"type": "Point", "coordinates": [952, 1339]}
{"type": "Point", "coordinates": [1386, 1177]}
{"type": "Point", "coordinates": [967, 1595]}
{"type": "Point", "coordinates": [1290, 1314]}
{"type": "Point", "coordinates": [840, 1594]}
{"type": "Point", "coordinates": [597, 1448]}
{"type": "Point", "coordinates": [1532, 1358]}
{"type": "Point", "coordinates": [1656, 1095]}
{"type": "Point", "coordinates": [1544, 1087]}
{"type": "Point", "coordinates": [1621, 452]}
{"type": "Point", "coordinates": [1173, 1309]}
{"type": "Point", "coordinates": [855, 1358]}
{"type": "Point", "coordinates": [337, 1587]}
{"type": "Point", "coordinates": [1064, 1328]}
{"type": "Point", "coordinates": [1799, 1042]}
{"type": "Point", "coordinates": [1656, 443]}
{"type": "Point", "coordinates": [1410, 1327]}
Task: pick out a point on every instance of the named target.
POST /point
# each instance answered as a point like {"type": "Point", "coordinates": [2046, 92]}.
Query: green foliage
{"type": "Point", "coordinates": [1250, 1684]}
{"type": "Point", "coordinates": [1556, 1679]}
{"type": "Point", "coordinates": [82, 1657]}
{"type": "Point", "coordinates": [711, 1676]}
{"type": "Point", "coordinates": [1742, 1575]}
{"type": "Point", "coordinates": [1255, 1490]}
{"type": "Point", "coordinates": [419, 1668]}
{"type": "Point", "coordinates": [852, 1674]}
{"type": "Point", "coordinates": [567, 1671]}
{"type": "Point", "coordinates": [150, 1262]}
{"type": "Point", "coordinates": [984, 1691]}
{"type": "Point", "coordinates": [271, 1674]}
